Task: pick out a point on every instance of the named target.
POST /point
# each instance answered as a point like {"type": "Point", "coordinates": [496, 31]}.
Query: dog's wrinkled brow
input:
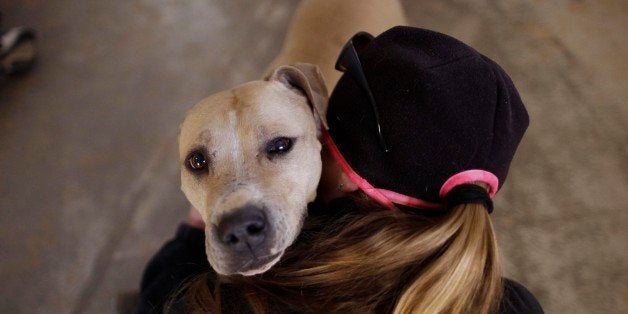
{"type": "Point", "coordinates": [204, 136]}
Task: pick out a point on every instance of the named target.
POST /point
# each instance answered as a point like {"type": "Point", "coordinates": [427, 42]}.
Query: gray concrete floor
{"type": "Point", "coordinates": [89, 184]}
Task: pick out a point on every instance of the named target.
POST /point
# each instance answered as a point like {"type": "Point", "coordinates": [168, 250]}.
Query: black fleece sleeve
{"type": "Point", "coordinates": [180, 259]}
{"type": "Point", "coordinates": [517, 299]}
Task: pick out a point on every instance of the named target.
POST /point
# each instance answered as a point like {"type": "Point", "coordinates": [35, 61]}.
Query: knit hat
{"type": "Point", "coordinates": [448, 116]}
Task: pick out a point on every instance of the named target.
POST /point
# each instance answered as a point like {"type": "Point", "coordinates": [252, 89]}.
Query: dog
{"type": "Point", "coordinates": [251, 155]}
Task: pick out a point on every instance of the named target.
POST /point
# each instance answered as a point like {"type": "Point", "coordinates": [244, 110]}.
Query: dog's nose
{"type": "Point", "coordinates": [244, 229]}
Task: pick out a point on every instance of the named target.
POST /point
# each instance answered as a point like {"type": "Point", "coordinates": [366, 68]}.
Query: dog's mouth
{"type": "Point", "coordinates": [235, 247]}
{"type": "Point", "coordinates": [260, 264]}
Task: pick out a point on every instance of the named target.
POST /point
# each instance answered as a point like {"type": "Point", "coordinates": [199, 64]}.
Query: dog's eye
{"type": "Point", "coordinates": [196, 161]}
{"type": "Point", "coordinates": [279, 146]}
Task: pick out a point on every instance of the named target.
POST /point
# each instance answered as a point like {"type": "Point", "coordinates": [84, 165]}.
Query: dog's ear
{"type": "Point", "coordinates": [308, 79]}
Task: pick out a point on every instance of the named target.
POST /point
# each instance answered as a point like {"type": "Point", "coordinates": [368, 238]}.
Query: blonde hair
{"type": "Point", "coordinates": [372, 260]}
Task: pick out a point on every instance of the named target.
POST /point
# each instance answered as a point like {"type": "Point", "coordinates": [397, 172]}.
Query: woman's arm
{"type": "Point", "coordinates": [517, 299]}
{"type": "Point", "coordinates": [180, 259]}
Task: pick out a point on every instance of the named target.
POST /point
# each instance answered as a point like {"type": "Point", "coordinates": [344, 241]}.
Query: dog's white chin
{"type": "Point", "coordinates": [262, 268]}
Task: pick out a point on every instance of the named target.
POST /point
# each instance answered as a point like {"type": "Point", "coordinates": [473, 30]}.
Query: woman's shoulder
{"type": "Point", "coordinates": [518, 299]}
{"type": "Point", "coordinates": [179, 260]}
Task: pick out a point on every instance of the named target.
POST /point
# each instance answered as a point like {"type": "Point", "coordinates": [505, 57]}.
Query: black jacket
{"type": "Point", "coordinates": [184, 257]}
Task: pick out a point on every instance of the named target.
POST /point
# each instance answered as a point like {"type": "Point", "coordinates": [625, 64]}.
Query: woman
{"type": "Point", "coordinates": [422, 129]}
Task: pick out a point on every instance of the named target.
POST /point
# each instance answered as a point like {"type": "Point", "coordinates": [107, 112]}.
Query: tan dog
{"type": "Point", "coordinates": [250, 155]}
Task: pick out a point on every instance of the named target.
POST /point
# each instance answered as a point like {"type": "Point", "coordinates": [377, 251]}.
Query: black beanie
{"type": "Point", "coordinates": [444, 109]}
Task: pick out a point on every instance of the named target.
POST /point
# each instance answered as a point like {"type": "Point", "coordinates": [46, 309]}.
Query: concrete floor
{"type": "Point", "coordinates": [89, 184]}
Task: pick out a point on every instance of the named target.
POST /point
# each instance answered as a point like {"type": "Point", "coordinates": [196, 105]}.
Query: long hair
{"type": "Point", "coordinates": [368, 259]}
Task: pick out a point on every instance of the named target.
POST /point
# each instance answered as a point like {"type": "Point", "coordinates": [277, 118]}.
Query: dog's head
{"type": "Point", "coordinates": [250, 163]}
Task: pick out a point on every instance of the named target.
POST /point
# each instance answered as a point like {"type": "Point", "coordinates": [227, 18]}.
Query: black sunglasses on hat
{"type": "Point", "coordinates": [349, 62]}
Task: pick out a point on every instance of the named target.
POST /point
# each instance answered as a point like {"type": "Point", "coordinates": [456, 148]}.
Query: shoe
{"type": "Point", "coordinates": [17, 50]}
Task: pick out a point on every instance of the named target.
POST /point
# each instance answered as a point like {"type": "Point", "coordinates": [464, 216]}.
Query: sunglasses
{"type": "Point", "coordinates": [349, 62]}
